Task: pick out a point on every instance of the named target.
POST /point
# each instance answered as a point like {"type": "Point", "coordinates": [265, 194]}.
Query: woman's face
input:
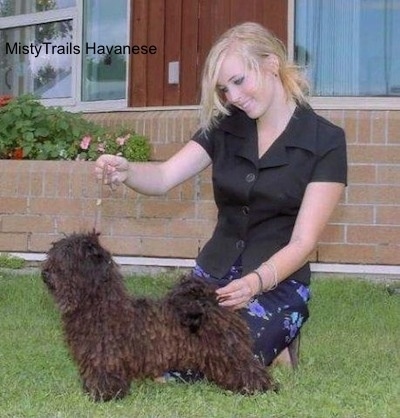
{"type": "Point", "coordinates": [242, 88]}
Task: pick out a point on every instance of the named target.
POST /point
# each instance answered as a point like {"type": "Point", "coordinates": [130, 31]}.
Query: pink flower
{"type": "Point", "coordinates": [101, 147]}
{"type": "Point", "coordinates": [121, 140]}
{"type": "Point", "coordinates": [85, 142]}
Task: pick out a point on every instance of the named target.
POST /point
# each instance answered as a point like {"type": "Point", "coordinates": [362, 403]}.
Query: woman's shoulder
{"type": "Point", "coordinates": [324, 125]}
{"type": "Point", "coordinates": [316, 132]}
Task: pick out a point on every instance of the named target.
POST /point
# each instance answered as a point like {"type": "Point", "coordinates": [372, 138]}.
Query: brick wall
{"type": "Point", "coordinates": [39, 200]}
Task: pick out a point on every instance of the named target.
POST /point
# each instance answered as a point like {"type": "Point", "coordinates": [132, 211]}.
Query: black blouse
{"type": "Point", "coordinates": [258, 199]}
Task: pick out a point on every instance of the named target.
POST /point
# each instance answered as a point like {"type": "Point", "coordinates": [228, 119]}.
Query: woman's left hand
{"type": "Point", "coordinates": [237, 293]}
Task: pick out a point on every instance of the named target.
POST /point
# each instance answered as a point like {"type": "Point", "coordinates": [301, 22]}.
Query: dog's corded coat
{"type": "Point", "coordinates": [115, 338]}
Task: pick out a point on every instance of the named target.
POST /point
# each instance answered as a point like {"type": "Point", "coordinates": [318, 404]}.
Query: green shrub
{"type": "Point", "coordinates": [38, 132]}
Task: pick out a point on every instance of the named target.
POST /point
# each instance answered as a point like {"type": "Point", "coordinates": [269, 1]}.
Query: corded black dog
{"type": "Point", "coordinates": [115, 338]}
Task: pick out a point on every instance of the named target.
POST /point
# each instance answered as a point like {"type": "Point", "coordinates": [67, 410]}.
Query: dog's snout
{"type": "Point", "coordinates": [45, 275]}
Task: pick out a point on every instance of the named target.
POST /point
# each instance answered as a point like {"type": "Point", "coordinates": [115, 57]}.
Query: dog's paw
{"type": "Point", "coordinates": [105, 391]}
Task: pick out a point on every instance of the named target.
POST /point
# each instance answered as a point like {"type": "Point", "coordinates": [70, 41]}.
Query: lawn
{"type": "Point", "coordinates": [349, 365]}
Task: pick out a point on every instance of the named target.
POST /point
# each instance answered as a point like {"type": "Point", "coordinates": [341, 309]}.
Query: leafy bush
{"type": "Point", "coordinates": [33, 131]}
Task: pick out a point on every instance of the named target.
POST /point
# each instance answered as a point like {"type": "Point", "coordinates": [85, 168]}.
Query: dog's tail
{"type": "Point", "coordinates": [191, 299]}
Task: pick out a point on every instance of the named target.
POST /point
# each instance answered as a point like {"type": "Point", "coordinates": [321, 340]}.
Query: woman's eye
{"type": "Point", "coordinates": [238, 81]}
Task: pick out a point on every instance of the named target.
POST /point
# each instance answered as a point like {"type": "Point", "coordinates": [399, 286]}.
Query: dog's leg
{"type": "Point", "coordinates": [229, 359]}
{"type": "Point", "coordinates": [103, 386]}
{"type": "Point", "coordinates": [244, 375]}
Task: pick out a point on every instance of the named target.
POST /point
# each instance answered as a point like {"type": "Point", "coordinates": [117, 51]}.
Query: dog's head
{"type": "Point", "coordinates": [192, 300]}
{"type": "Point", "coordinates": [75, 268]}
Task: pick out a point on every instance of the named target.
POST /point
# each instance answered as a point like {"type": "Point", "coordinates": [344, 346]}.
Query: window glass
{"type": "Point", "coordinates": [37, 59]}
{"type": "Point", "coordinates": [18, 7]}
{"type": "Point", "coordinates": [350, 48]}
{"type": "Point", "coordinates": [104, 66]}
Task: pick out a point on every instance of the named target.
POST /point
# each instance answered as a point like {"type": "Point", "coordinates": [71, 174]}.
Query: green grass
{"type": "Point", "coordinates": [349, 366]}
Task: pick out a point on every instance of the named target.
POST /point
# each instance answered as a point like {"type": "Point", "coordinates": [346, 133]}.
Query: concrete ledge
{"type": "Point", "coordinates": [150, 264]}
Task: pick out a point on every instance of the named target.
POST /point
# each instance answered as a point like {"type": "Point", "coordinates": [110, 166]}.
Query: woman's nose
{"type": "Point", "coordinates": [233, 95]}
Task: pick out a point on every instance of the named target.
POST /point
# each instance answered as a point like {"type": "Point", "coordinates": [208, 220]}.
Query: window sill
{"type": "Point", "coordinates": [356, 103]}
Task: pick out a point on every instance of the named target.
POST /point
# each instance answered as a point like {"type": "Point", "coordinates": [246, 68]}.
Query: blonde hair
{"type": "Point", "coordinates": [253, 42]}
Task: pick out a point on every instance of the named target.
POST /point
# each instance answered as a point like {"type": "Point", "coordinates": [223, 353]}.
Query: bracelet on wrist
{"type": "Point", "coordinates": [272, 268]}
{"type": "Point", "coordinates": [260, 282]}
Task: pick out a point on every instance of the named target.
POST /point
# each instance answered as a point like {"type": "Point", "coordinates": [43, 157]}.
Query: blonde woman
{"type": "Point", "coordinates": [278, 172]}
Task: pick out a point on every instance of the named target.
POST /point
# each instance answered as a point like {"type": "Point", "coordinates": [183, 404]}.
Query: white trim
{"type": "Point", "coordinates": [120, 106]}
{"type": "Point", "coordinates": [356, 103]}
{"type": "Point", "coordinates": [37, 18]}
{"type": "Point", "coordinates": [290, 30]}
{"type": "Point", "coordinates": [364, 269]}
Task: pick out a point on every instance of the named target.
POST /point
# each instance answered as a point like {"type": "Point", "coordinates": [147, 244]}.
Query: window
{"type": "Point", "coordinates": [59, 50]}
{"type": "Point", "coordinates": [104, 74]}
{"type": "Point", "coordinates": [350, 48]}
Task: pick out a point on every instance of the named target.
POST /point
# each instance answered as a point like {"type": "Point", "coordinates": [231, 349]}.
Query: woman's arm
{"type": "Point", "coordinates": [320, 199]}
{"type": "Point", "coordinates": [152, 178]}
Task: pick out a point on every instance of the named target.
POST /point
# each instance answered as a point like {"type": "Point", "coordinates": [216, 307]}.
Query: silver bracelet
{"type": "Point", "coordinates": [260, 281]}
{"type": "Point", "coordinates": [272, 268]}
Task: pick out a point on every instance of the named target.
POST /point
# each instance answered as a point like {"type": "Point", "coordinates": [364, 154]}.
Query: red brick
{"type": "Point", "coordinates": [165, 247]}
{"type": "Point", "coordinates": [162, 152]}
{"type": "Point", "coordinates": [179, 223]}
{"type": "Point", "coordinates": [167, 209]}
{"type": "Point", "coordinates": [67, 225]}
{"type": "Point", "coordinates": [123, 245]}
{"type": "Point", "coordinates": [373, 195]}
{"type": "Point", "coordinates": [53, 206]}
{"type": "Point", "coordinates": [22, 183]}
{"type": "Point", "coordinates": [374, 154]}
{"type": "Point", "coordinates": [389, 174]}
{"type": "Point", "coordinates": [394, 127]}
{"type": "Point", "coordinates": [364, 127]}
{"type": "Point", "coordinates": [138, 228]}
{"type": "Point", "coordinates": [344, 253]}
{"type": "Point", "coordinates": [353, 214]}
{"type": "Point", "coordinates": [351, 126]}
{"type": "Point", "coordinates": [206, 210]}
{"type": "Point", "coordinates": [13, 242]}
{"type": "Point", "coordinates": [42, 242]}
{"type": "Point", "coordinates": [27, 223]}
{"type": "Point", "coordinates": [379, 126]}
{"type": "Point", "coordinates": [388, 254]}
{"type": "Point", "coordinates": [13, 205]}
{"type": "Point", "coordinates": [389, 215]}
{"type": "Point", "coordinates": [197, 229]}
{"type": "Point", "coordinates": [36, 184]}
{"type": "Point", "coordinates": [362, 173]}
{"type": "Point", "coordinates": [333, 233]}
{"type": "Point", "coordinates": [375, 234]}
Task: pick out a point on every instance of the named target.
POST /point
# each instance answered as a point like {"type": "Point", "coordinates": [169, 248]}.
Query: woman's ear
{"type": "Point", "coordinates": [272, 64]}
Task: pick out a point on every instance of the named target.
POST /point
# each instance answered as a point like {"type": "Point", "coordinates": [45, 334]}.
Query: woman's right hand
{"type": "Point", "coordinates": [111, 169]}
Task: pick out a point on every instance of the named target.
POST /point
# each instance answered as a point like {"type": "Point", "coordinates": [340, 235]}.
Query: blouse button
{"type": "Point", "coordinates": [245, 210]}
{"type": "Point", "coordinates": [250, 177]}
{"type": "Point", "coordinates": [240, 244]}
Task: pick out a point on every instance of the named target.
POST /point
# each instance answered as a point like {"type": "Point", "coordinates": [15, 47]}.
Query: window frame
{"type": "Point", "coordinates": [74, 13]}
{"type": "Point", "coordinates": [339, 102]}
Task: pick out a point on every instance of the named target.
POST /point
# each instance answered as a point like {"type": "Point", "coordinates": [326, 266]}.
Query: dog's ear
{"type": "Point", "coordinates": [97, 259]}
{"type": "Point", "coordinates": [191, 315]}
{"type": "Point", "coordinates": [191, 299]}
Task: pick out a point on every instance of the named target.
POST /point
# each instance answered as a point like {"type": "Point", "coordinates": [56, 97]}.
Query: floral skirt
{"type": "Point", "coordinates": [274, 317]}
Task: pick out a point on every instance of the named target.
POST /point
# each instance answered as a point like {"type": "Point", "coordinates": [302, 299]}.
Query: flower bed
{"type": "Point", "coordinates": [32, 131]}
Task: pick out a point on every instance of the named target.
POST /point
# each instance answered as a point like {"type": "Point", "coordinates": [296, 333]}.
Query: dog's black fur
{"type": "Point", "coordinates": [115, 338]}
